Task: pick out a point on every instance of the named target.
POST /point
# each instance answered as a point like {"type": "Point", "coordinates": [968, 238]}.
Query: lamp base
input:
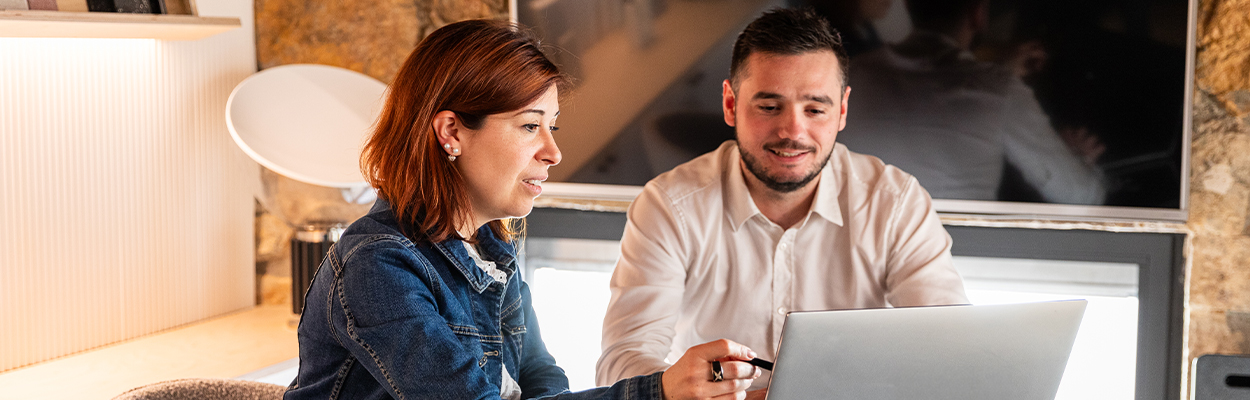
{"type": "Point", "coordinates": [309, 247]}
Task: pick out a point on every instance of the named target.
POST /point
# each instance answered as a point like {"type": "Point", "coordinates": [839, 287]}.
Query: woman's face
{"type": "Point", "coordinates": [505, 162]}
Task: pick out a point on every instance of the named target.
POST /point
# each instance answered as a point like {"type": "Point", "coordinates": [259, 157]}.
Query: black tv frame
{"type": "Point", "coordinates": [1014, 210]}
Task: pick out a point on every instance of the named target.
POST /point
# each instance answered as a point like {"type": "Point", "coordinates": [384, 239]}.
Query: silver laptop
{"type": "Point", "coordinates": [1012, 351]}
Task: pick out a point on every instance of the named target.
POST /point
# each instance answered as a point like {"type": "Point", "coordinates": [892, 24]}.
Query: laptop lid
{"type": "Point", "coordinates": [1010, 351]}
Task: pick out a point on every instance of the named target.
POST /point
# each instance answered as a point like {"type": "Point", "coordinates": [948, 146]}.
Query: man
{"type": "Point", "coordinates": [785, 219]}
{"type": "Point", "coordinates": [929, 107]}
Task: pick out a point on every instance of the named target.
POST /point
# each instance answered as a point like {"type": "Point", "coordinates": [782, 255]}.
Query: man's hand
{"type": "Point", "coordinates": [691, 377]}
{"type": "Point", "coordinates": [1027, 58]}
{"type": "Point", "coordinates": [1084, 144]}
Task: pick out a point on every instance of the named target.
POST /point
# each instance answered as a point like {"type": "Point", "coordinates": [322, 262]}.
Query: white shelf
{"type": "Point", "coordinates": [58, 24]}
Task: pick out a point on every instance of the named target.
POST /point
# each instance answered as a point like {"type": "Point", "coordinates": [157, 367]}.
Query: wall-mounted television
{"type": "Point", "coordinates": [1067, 108]}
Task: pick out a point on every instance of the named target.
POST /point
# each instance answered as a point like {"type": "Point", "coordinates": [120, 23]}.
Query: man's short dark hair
{"type": "Point", "coordinates": [786, 31]}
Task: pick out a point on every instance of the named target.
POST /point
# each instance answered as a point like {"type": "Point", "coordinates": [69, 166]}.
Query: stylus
{"type": "Point", "coordinates": [761, 363]}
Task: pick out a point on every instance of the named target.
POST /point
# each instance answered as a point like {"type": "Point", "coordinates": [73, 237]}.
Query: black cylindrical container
{"type": "Point", "coordinates": [309, 246]}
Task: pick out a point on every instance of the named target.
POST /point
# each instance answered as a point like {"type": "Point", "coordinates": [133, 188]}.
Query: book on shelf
{"type": "Point", "coordinates": [173, 7]}
{"type": "Point", "coordinates": [141, 6]}
{"type": "Point", "coordinates": [101, 6]}
{"type": "Point", "coordinates": [133, 6]}
{"type": "Point", "coordinates": [72, 5]}
{"type": "Point", "coordinates": [13, 5]}
{"type": "Point", "coordinates": [46, 5]}
{"type": "Point", "coordinates": [180, 7]}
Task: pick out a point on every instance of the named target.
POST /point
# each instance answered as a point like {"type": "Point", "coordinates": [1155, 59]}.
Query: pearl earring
{"type": "Point", "coordinates": [447, 146]}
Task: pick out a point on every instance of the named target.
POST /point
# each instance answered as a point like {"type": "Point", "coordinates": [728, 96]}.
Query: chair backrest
{"type": "Point", "coordinates": [205, 389]}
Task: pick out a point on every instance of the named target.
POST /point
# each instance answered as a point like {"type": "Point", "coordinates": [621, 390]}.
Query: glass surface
{"type": "Point", "coordinates": [569, 282]}
{"type": "Point", "coordinates": [1050, 101]}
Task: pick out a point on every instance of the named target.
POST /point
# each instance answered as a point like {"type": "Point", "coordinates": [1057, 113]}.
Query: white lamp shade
{"type": "Point", "coordinates": [307, 122]}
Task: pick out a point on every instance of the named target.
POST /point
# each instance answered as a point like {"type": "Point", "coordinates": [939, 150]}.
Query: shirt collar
{"type": "Point", "coordinates": [454, 250]}
{"type": "Point", "coordinates": [831, 182]}
{"type": "Point", "coordinates": [491, 248]}
{"type": "Point", "coordinates": [740, 207]}
{"type": "Point", "coordinates": [738, 203]}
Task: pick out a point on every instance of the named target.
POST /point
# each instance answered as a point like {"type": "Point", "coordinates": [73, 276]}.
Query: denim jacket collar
{"type": "Point", "coordinates": [492, 248]}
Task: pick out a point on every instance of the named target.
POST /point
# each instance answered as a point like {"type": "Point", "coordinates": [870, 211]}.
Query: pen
{"type": "Point", "coordinates": [761, 363]}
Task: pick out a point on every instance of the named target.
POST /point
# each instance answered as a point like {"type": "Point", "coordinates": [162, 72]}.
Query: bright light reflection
{"type": "Point", "coordinates": [570, 307]}
{"type": "Point", "coordinates": [1103, 363]}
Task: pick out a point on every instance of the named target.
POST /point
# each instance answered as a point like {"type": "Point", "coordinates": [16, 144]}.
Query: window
{"type": "Point", "coordinates": [568, 280]}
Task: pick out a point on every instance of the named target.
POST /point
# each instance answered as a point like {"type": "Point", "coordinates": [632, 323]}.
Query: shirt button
{"type": "Point", "coordinates": [781, 310]}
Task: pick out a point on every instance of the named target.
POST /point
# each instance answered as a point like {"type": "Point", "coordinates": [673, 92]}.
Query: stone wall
{"type": "Point", "coordinates": [1219, 200]}
{"type": "Point", "coordinates": [370, 37]}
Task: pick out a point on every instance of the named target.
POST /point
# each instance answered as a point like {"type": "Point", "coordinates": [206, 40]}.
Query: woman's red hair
{"type": "Point", "coordinates": [473, 68]}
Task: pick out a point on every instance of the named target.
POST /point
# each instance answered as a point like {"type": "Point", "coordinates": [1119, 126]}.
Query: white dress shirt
{"type": "Point", "coordinates": [930, 108]}
{"type": "Point", "coordinates": [699, 262]}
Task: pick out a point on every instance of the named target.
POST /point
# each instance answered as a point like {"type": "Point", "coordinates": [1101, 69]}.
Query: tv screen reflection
{"type": "Point", "coordinates": [1044, 101]}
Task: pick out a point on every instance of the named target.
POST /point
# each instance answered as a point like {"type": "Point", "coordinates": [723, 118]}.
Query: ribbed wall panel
{"type": "Point", "coordinates": [125, 208]}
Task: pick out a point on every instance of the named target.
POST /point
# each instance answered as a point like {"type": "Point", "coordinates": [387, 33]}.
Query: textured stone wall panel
{"type": "Point", "coordinates": [371, 37]}
{"type": "Point", "coordinates": [1219, 202]}
{"type": "Point", "coordinates": [1212, 326]}
{"type": "Point", "coordinates": [1224, 50]}
{"type": "Point", "coordinates": [368, 37]}
{"type": "Point", "coordinates": [443, 12]}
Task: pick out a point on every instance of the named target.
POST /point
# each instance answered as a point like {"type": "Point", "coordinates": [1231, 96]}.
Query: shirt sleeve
{"type": "Point", "coordinates": [1033, 147]}
{"type": "Point", "coordinates": [647, 287]}
{"type": "Point", "coordinates": [919, 268]}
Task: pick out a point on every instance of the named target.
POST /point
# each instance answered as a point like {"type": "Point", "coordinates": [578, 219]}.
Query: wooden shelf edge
{"type": "Point", "coordinates": [57, 24]}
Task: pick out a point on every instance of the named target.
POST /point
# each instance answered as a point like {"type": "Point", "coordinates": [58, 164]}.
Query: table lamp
{"type": "Point", "coordinates": [307, 123]}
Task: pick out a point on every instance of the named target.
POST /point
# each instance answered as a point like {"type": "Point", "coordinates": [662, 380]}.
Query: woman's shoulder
{"type": "Point", "coordinates": [368, 237]}
{"type": "Point", "coordinates": [369, 229]}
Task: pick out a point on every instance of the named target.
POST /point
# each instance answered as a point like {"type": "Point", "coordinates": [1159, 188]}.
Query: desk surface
{"type": "Point", "coordinates": [223, 347]}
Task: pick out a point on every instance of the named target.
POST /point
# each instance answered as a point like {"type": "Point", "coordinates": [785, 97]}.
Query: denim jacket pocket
{"type": "Point", "coordinates": [512, 326]}
{"type": "Point", "coordinates": [469, 337]}
{"type": "Point", "coordinates": [516, 336]}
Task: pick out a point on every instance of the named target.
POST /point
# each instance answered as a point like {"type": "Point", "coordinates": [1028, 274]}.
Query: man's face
{"type": "Point", "coordinates": [787, 112]}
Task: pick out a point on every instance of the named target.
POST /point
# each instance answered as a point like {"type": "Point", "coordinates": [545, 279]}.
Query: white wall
{"type": "Point", "coordinates": [125, 208]}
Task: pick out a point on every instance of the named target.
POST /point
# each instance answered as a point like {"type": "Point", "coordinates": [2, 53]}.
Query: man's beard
{"type": "Point", "coordinates": [772, 182]}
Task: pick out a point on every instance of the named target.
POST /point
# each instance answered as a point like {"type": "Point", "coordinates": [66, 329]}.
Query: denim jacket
{"type": "Point", "coordinates": [387, 317]}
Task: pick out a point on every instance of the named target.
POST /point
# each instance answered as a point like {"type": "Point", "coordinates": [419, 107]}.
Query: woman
{"type": "Point", "coordinates": [419, 299]}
